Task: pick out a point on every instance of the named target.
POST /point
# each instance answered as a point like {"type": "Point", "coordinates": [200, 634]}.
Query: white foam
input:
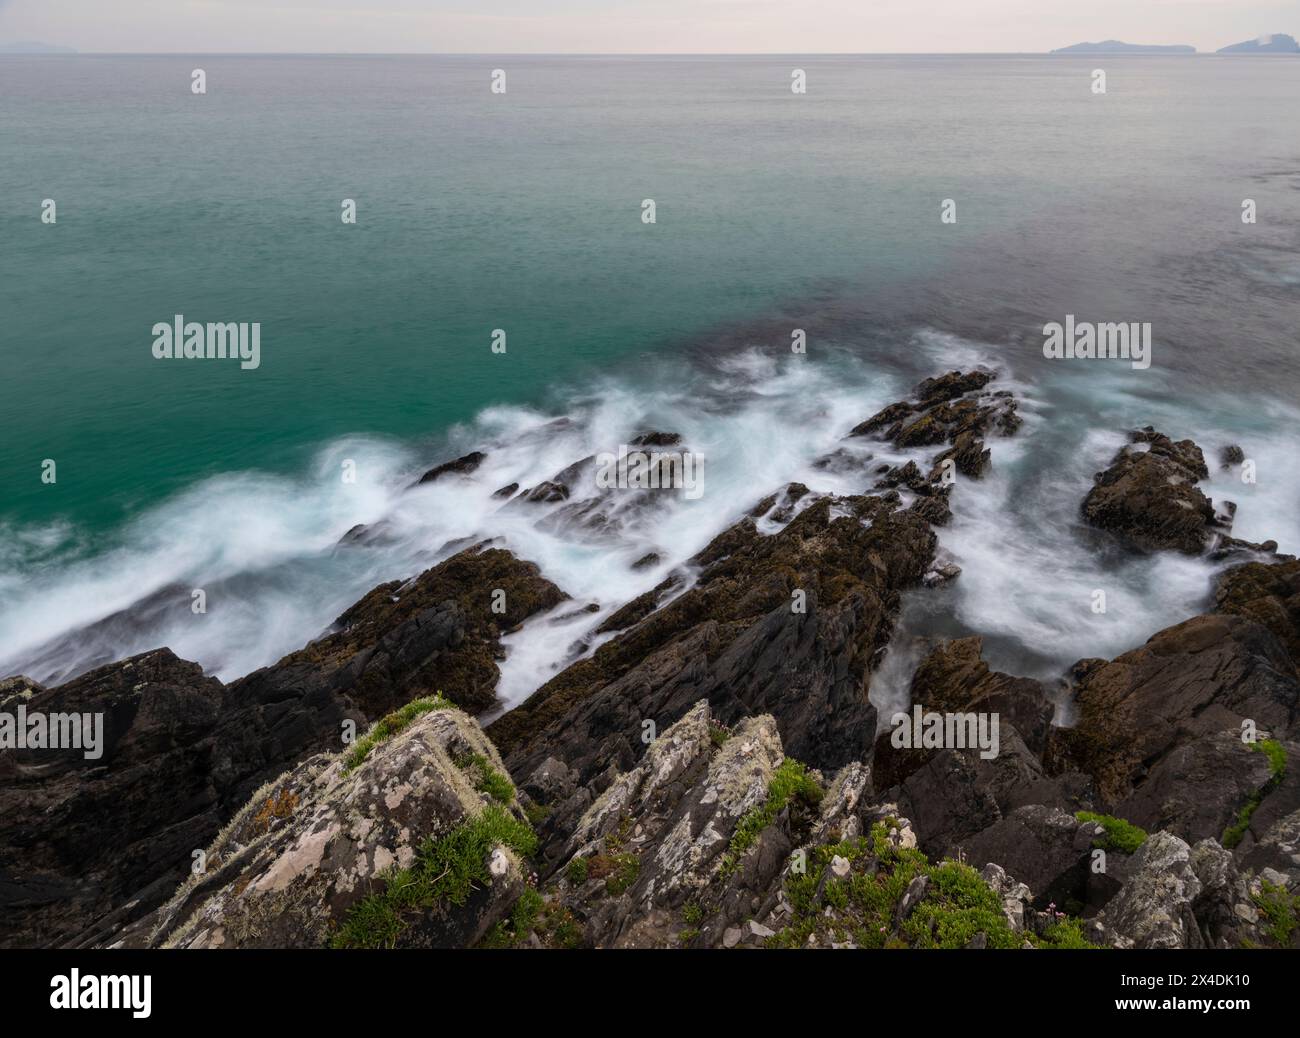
{"type": "Point", "coordinates": [266, 547]}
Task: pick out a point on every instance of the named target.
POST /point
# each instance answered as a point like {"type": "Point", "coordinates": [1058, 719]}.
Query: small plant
{"type": "Point", "coordinates": [389, 725]}
{"type": "Point", "coordinates": [446, 869]}
{"type": "Point", "coordinates": [1281, 910]}
{"type": "Point", "coordinates": [1119, 835]}
{"type": "Point", "coordinates": [790, 782]}
{"type": "Point", "coordinates": [576, 871]}
{"type": "Point", "coordinates": [508, 933]}
{"type": "Point", "coordinates": [718, 734]}
{"type": "Point", "coordinates": [487, 779]}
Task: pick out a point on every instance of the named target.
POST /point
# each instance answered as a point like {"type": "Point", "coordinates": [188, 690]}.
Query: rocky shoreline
{"type": "Point", "coordinates": [708, 770]}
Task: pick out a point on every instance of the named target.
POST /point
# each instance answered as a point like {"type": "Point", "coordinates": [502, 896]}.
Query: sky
{"type": "Point", "coordinates": [635, 26]}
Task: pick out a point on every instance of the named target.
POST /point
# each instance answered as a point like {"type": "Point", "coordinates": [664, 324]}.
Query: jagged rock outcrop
{"type": "Point", "coordinates": [715, 839]}
{"type": "Point", "coordinates": [1267, 594]}
{"type": "Point", "coordinates": [1149, 499]}
{"type": "Point", "coordinates": [711, 775]}
{"type": "Point", "coordinates": [418, 845]}
{"type": "Point", "coordinates": [409, 638]}
{"type": "Point", "coordinates": [1160, 728]}
{"type": "Point", "coordinates": [79, 837]}
{"type": "Point", "coordinates": [950, 409]}
{"type": "Point", "coordinates": [88, 846]}
{"type": "Point", "coordinates": [787, 623]}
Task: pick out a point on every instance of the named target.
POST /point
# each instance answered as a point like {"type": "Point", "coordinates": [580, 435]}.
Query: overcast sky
{"type": "Point", "coordinates": [635, 26]}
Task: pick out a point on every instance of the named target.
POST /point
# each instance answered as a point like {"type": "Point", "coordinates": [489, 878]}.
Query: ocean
{"type": "Point", "coordinates": [522, 212]}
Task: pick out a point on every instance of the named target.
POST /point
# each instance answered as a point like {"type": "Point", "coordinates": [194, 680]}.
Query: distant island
{"type": "Point", "coordinates": [1119, 47]}
{"type": "Point", "coordinates": [1278, 43]}
{"type": "Point", "coordinates": [33, 47]}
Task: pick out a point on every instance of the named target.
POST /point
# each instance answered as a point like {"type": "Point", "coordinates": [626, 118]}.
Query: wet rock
{"type": "Point", "coordinates": [1149, 497]}
{"type": "Point", "coordinates": [780, 507]}
{"type": "Point", "coordinates": [547, 493]}
{"type": "Point", "coordinates": [656, 439]}
{"type": "Point", "coordinates": [743, 639]}
{"type": "Point", "coordinates": [462, 466]}
{"type": "Point", "coordinates": [1191, 683]}
{"type": "Point", "coordinates": [436, 632]}
{"type": "Point", "coordinates": [954, 409]}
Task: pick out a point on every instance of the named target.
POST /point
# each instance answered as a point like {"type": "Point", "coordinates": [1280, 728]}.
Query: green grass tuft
{"type": "Point", "coordinates": [389, 725]}
{"type": "Point", "coordinates": [1276, 754]}
{"type": "Point", "coordinates": [789, 782]}
{"type": "Point", "coordinates": [1281, 911]}
{"type": "Point", "coordinates": [861, 907]}
{"type": "Point", "coordinates": [447, 869]}
{"type": "Point", "coordinates": [487, 779]}
{"type": "Point", "coordinates": [576, 871]}
{"type": "Point", "coordinates": [1119, 836]}
{"type": "Point", "coordinates": [508, 933]}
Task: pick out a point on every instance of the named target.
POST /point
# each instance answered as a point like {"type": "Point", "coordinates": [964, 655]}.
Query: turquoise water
{"type": "Point", "coordinates": [522, 212]}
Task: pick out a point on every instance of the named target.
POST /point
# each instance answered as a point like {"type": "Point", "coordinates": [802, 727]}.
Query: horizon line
{"type": "Point", "coordinates": [1057, 52]}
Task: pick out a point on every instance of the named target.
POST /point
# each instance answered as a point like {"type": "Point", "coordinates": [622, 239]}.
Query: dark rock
{"type": "Point", "coordinates": [656, 439]}
{"type": "Point", "coordinates": [1231, 455]}
{"type": "Point", "coordinates": [81, 841]}
{"type": "Point", "coordinates": [462, 466]}
{"type": "Point", "coordinates": [954, 678]}
{"type": "Point", "coordinates": [79, 837]}
{"type": "Point", "coordinates": [546, 493]}
{"type": "Point", "coordinates": [733, 638]}
{"type": "Point", "coordinates": [1191, 683]}
{"type": "Point", "coordinates": [1051, 851]}
{"type": "Point", "coordinates": [1267, 594]}
{"type": "Point", "coordinates": [1149, 498]}
{"type": "Point", "coordinates": [957, 793]}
